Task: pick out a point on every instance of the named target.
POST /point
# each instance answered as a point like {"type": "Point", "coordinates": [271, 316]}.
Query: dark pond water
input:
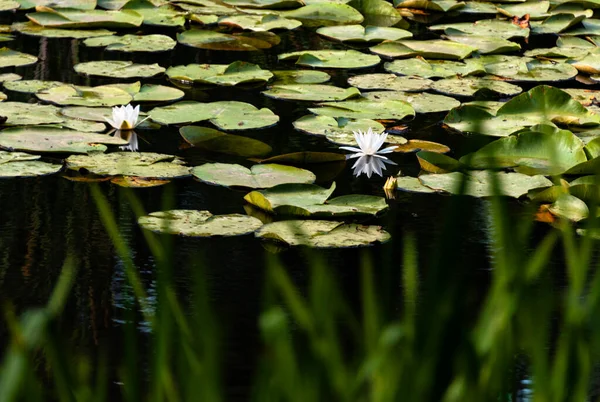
{"type": "Point", "coordinates": [44, 219]}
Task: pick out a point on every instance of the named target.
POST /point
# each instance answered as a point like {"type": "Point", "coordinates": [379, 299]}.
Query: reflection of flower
{"type": "Point", "coordinates": [125, 117]}
{"type": "Point", "coordinates": [132, 137]}
{"type": "Point", "coordinates": [370, 158]}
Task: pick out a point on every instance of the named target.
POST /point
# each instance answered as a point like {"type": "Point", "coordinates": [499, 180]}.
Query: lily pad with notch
{"type": "Point", "coordinates": [311, 92]}
{"type": "Point", "coordinates": [390, 82]}
{"type": "Point", "coordinates": [291, 77]}
{"type": "Point", "coordinates": [139, 164]}
{"type": "Point", "coordinates": [478, 87]}
{"type": "Point", "coordinates": [210, 40]}
{"type": "Point", "coordinates": [325, 14]}
{"type": "Point", "coordinates": [238, 72]}
{"type": "Point", "coordinates": [46, 139]}
{"type": "Point", "coordinates": [422, 102]}
{"type": "Point", "coordinates": [358, 33]}
{"type": "Point", "coordinates": [365, 109]}
{"type": "Point", "coordinates": [216, 141]}
{"type": "Point", "coordinates": [258, 176]}
{"type": "Point", "coordinates": [347, 59]}
{"type": "Point", "coordinates": [71, 18]}
{"type": "Point", "coordinates": [433, 49]}
{"type": "Point", "coordinates": [118, 69]}
{"type": "Point", "coordinates": [12, 58]}
{"type": "Point", "coordinates": [104, 95]}
{"type": "Point", "coordinates": [31, 29]}
{"type": "Point", "coordinates": [420, 67]}
{"type": "Point", "coordinates": [259, 23]}
{"type": "Point", "coordinates": [133, 43]}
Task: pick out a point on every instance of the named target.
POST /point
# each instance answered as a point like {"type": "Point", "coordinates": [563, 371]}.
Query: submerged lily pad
{"type": "Point", "coordinates": [238, 72]}
{"type": "Point", "coordinates": [434, 49]}
{"type": "Point", "coordinates": [70, 18]}
{"type": "Point", "coordinates": [348, 59]}
{"type": "Point", "coordinates": [358, 33]}
{"type": "Point", "coordinates": [43, 139]}
{"type": "Point", "coordinates": [133, 43]}
{"type": "Point", "coordinates": [199, 223]}
{"type": "Point", "coordinates": [139, 164]}
{"type": "Point", "coordinates": [227, 115]}
{"type": "Point", "coordinates": [105, 95]}
{"type": "Point", "coordinates": [311, 92]}
{"type": "Point", "coordinates": [475, 87]}
{"type": "Point", "coordinates": [291, 77]}
{"type": "Point", "coordinates": [420, 67]}
{"type": "Point", "coordinates": [259, 176]}
{"type": "Point", "coordinates": [216, 141]}
{"type": "Point", "coordinates": [219, 41]}
{"type": "Point", "coordinates": [540, 105]}
{"type": "Point", "coordinates": [365, 109]}
{"type": "Point", "coordinates": [259, 23]}
{"type": "Point", "coordinates": [480, 183]}
{"type": "Point", "coordinates": [322, 234]}
{"type": "Point", "coordinates": [31, 29]}
{"type": "Point", "coordinates": [12, 58]}
{"type": "Point", "coordinates": [118, 69]}
{"type": "Point", "coordinates": [390, 82]}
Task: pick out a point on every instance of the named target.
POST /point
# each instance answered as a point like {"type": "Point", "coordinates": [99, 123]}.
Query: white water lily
{"type": "Point", "coordinates": [370, 158]}
{"type": "Point", "coordinates": [125, 117]}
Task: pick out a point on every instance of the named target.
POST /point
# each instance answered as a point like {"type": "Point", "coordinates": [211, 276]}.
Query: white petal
{"type": "Point", "coordinates": [387, 150]}
{"type": "Point", "coordinates": [353, 149]}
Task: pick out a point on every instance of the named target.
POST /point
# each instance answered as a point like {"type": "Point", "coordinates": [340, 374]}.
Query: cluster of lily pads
{"type": "Point", "coordinates": [472, 68]}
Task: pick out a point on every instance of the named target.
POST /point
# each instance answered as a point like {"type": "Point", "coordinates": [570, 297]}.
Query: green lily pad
{"type": "Point", "coordinates": [569, 207]}
{"type": "Point", "coordinates": [558, 52]}
{"type": "Point", "coordinates": [411, 146]}
{"type": "Point", "coordinates": [8, 5]}
{"type": "Point", "coordinates": [139, 164]}
{"type": "Point", "coordinates": [422, 102]}
{"type": "Point", "coordinates": [12, 58]}
{"type": "Point", "coordinates": [476, 7]}
{"type": "Point", "coordinates": [525, 69]}
{"type": "Point", "coordinates": [492, 28]}
{"type": "Point", "coordinates": [439, 6]}
{"type": "Point", "coordinates": [163, 16]}
{"type": "Point", "coordinates": [27, 168]}
{"type": "Point", "coordinates": [311, 92]}
{"type": "Point", "coordinates": [73, 4]}
{"type": "Point", "coordinates": [309, 200]}
{"type": "Point", "coordinates": [479, 183]}
{"type": "Point", "coordinates": [336, 130]}
{"type": "Point", "coordinates": [118, 69]}
{"type": "Point", "coordinates": [85, 96]}
{"type": "Point", "coordinates": [268, 4]}
{"type": "Point", "coordinates": [531, 153]}
{"type": "Point", "coordinates": [18, 113]}
{"type": "Point", "coordinates": [540, 105]}
{"type": "Point", "coordinates": [199, 223]}
{"type": "Point", "coordinates": [7, 77]}
{"type": "Point", "coordinates": [259, 176]}
{"type": "Point", "coordinates": [98, 114]}
{"type": "Point", "coordinates": [485, 44]}
{"type": "Point", "coordinates": [589, 64]}
{"type": "Point", "coordinates": [556, 23]}
{"type": "Point", "coordinates": [412, 185]}
{"type": "Point", "coordinates": [31, 29]}
{"type": "Point", "coordinates": [226, 115]}
{"type": "Point", "coordinates": [365, 109]}
{"type": "Point", "coordinates": [536, 10]}
{"type": "Point", "coordinates": [434, 49]}
{"type": "Point", "coordinates": [420, 67]}
{"type": "Point", "coordinates": [259, 23]}
{"type": "Point", "coordinates": [589, 26]}
{"type": "Point", "coordinates": [71, 18]}
{"type": "Point", "coordinates": [216, 141]}
{"type": "Point", "coordinates": [434, 162]}
{"type": "Point", "coordinates": [291, 77]}
{"type": "Point", "coordinates": [322, 234]}
{"type": "Point", "coordinates": [31, 86]}
{"type": "Point", "coordinates": [325, 14]}
{"type": "Point", "coordinates": [347, 59]}
{"type": "Point", "coordinates": [238, 72]}
{"type": "Point", "coordinates": [219, 41]}
{"type": "Point", "coordinates": [158, 93]}
{"type": "Point", "coordinates": [390, 82]}
{"type": "Point", "coordinates": [480, 87]}
{"type": "Point", "coordinates": [44, 139]}
{"type": "Point", "coordinates": [358, 33]}
{"type": "Point", "coordinates": [305, 158]}
{"type": "Point", "coordinates": [133, 43]}
{"type": "Point", "coordinates": [380, 13]}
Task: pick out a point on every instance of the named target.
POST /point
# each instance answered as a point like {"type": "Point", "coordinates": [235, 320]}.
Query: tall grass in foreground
{"type": "Point", "coordinates": [317, 349]}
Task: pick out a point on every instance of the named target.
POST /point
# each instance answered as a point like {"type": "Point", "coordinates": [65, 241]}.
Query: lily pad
{"type": "Point", "coordinates": [366, 109]}
{"type": "Point", "coordinates": [238, 72]}
{"type": "Point", "coordinates": [30, 86]}
{"type": "Point", "coordinates": [199, 223]}
{"type": "Point", "coordinates": [434, 162]}
{"type": "Point", "coordinates": [139, 164]}
{"type": "Point", "coordinates": [412, 185]}
{"type": "Point", "coordinates": [525, 69]}
{"type": "Point", "coordinates": [480, 183]}
{"type": "Point", "coordinates": [216, 141]}
{"type": "Point", "coordinates": [259, 23]}
{"type": "Point", "coordinates": [439, 6]}
{"type": "Point", "coordinates": [71, 18]}
{"type": "Point", "coordinates": [226, 115]}
{"type": "Point", "coordinates": [347, 59]}
{"type": "Point", "coordinates": [334, 129]}
{"type": "Point", "coordinates": [485, 44]}
{"type": "Point", "coordinates": [74, 4]}
{"type": "Point", "coordinates": [31, 29]}
{"type": "Point", "coordinates": [157, 93]}
{"type": "Point", "coordinates": [411, 146]}
{"type": "Point", "coordinates": [390, 82]}
{"type": "Point", "coordinates": [530, 152]}
{"type": "Point", "coordinates": [259, 176]}
{"type": "Point", "coordinates": [118, 69]}
{"type": "Point", "coordinates": [433, 48]}
{"type": "Point", "coordinates": [98, 114]}
{"type": "Point", "coordinates": [540, 105]}
{"type": "Point", "coordinates": [133, 43]}
{"type": "Point", "coordinates": [219, 41]}
{"type": "Point", "coordinates": [322, 234]}
{"type": "Point", "coordinates": [311, 92]}
{"type": "Point", "coordinates": [422, 102]}
{"type": "Point", "coordinates": [269, 4]}
{"type": "Point", "coordinates": [18, 113]}
{"type": "Point", "coordinates": [105, 95]}
{"type": "Point", "coordinates": [162, 16]}
{"type": "Point", "coordinates": [569, 207]}
{"type": "Point", "coordinates": [479, 87]}
{"type": "Point", "coordinates": [43, 139]}
{"type": "Point", "coordinates": [291, 77]}
{"type": "Point", "coordinates": [29, 168]}
{"type": "Point", "coordinates": [325, 14]}
{"type": "Point", "coordinates": [8, 5]}
{"type": "Point", "coordinates": [7, 77]}
{"type": "Point", "coordinates": [556, 23]}
{"type": "Point", "coordinates": [420, 67]}
{"type": "Point", "coordinates": [358, 33]}
{"type": "Point", "coordinates": [491, 28]}
{"type": "Point", "coordinates": [12, 58]}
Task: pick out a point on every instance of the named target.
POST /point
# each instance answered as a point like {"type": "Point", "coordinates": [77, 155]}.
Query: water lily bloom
{"type": "Point", "coordinates": [125, 117]}
{"type": "Point", "coordinates": [370, 158]}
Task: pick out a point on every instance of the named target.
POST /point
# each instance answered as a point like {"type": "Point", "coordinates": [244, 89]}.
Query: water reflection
{"type": "Point", "coordinates": [368, 165]}
{"type": "Point", "coordinates": [131, 137]}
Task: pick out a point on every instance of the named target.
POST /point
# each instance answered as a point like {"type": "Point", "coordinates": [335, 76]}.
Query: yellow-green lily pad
{"type": "Point", "coordinates": [139, 164]}
{"type": "Point", "coordinates": [118, 69]}
{"type": "Point", "coordinates": [259, 176]}
{"type": "Point", "coordinates": [133, 43]}
{"type": "Point", "coordinates": [238, 72]}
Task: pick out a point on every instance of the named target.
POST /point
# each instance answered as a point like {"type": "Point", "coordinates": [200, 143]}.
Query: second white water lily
{"type": "Point", "coordinates": [125, 117]}
{"type": "Point", "coordinates": [370, 158]}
